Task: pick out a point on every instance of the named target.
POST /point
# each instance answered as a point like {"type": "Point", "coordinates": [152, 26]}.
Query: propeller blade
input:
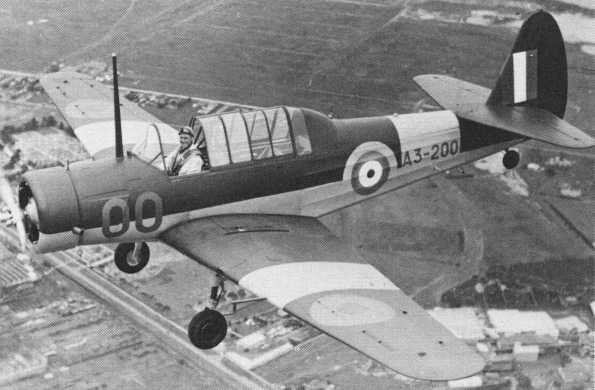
{"type": "Point", "coordinates": [8, 197]}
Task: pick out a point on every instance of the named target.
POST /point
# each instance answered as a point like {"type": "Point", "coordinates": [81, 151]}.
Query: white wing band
{"type": "Point", "coordinates": [284, 283]}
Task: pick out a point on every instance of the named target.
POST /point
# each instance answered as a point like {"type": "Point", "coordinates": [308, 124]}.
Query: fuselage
{"type": "Point", "coordinates": [344, 161]}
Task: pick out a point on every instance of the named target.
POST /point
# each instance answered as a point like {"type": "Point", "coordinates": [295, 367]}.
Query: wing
{"type": "Point", "coordinates": [301, 267]}
{"type": "Point", "coordinates": [87, 105]}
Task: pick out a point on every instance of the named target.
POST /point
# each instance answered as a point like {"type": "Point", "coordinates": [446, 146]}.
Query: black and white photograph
{"type": "Point", "coordinates": [297, 194]}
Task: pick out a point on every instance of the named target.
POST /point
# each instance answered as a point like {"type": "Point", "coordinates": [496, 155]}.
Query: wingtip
{"type": "Point", "coordinates": [473, 364]}
{"type": "Point", "coordinates": [588, 140]}
{"type": "Point", "coordinates": [575, 138]}
{"type": "Point", "coordinates": [468, 365]}
{"type": "Point", "coordinates": [585, 144]}
{"type": "Point", "coordinates": [423, 77]}
{"type": "Point", "coordinates": [431, 79]}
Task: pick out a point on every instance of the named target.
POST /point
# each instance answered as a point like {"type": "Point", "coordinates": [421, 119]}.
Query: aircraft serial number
{"type": "Point", "coordinates": [436, 151]}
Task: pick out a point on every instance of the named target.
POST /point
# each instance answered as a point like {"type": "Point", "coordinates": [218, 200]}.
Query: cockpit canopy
{"type": "Point", "coordinates": [233, 137]}
{"type": "Point", "coordinates": [236, 137]}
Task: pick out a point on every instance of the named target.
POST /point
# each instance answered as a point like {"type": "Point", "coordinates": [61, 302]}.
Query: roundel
{"type": "Point", "coordinates": [368, 167]}
{"type": "Point", "coordinates": [349, 310]}
{"type": "Point", "coordinates": [369, 173]}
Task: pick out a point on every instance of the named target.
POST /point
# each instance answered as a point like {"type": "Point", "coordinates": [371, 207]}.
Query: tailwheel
{"type": "Point", "coordinates": [207, 329]}
{"type": "Point", "coordinates": [511, 159]}
{"type": "Point", "coordinates": [132, 257]}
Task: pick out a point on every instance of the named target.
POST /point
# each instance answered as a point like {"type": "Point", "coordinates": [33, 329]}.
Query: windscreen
{"type": "Point", "coordinates": [150, 148]}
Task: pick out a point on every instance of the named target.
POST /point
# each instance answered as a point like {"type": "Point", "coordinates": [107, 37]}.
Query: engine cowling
{"type": "Point", "coordinates": [49, 203]}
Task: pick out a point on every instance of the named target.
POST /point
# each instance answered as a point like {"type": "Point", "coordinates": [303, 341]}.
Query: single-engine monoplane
{"type": "Point", "coordinates": [252, 216]}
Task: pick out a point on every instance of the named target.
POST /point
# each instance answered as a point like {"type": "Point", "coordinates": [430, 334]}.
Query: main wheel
{"type": "Point", "coordinates": [207, 329]}
{"type": "Point", "coordinates": [127, 262]}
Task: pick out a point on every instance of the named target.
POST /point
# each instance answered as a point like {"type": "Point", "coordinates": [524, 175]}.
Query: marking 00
{"type": "Point", "coordinates": [111, 228]}
{"type": "Point", "coordinates": [108, 212]}
{"type": "Point", "coordinates": [141, 202]}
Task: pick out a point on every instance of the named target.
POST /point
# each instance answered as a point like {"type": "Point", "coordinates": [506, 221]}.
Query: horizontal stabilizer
{"type": "Point", "coordinates": [530, 122]}
{"type": "Point", "coordinates": [451, 93]}
{"type": "Point", "coordinates": [530, 95]}
{"type": "Point", "coordinates": [467, 100]}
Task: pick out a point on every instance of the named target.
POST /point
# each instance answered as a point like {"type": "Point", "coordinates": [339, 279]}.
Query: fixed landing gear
{"type": "Point", "coordinates": [132, 257]}
{"type": "Point", "coordinates": [209, 327]}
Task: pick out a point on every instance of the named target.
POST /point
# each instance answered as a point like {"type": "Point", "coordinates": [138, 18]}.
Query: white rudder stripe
{"type": "Point", "coordinates": [519, 65]}
{"type": "Point", "coordinates": [524, 72]}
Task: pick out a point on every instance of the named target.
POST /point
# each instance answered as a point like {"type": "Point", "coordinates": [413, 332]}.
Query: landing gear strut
{"type": "Point", "coordinates": [132, 257]}
{"type": "Point", "coordinates": [217, 290]}
{"type": "Point", "coordinates": [209, 327]}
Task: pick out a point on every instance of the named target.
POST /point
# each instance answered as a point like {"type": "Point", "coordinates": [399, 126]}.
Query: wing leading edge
{"type": "Point", "coordinates": [301, 267]}
{"type": "Point", "coordinates": [87, 105]}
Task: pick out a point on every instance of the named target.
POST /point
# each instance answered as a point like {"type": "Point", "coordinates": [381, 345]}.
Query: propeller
{"type": "Point", "coordinates": [7, 196]}
{"type": "Point", "coordinates": [24, 211]}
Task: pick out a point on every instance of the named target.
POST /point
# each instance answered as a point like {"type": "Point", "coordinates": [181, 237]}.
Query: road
{"type": "Point", "coordinates": [171, 334]}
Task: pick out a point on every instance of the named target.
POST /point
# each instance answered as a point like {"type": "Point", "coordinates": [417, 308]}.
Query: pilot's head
{"type": "Point", "coordinates": [186, 137]}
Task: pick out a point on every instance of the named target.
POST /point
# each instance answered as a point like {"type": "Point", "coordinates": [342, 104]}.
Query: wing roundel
{"type": "Point", "coordinates": [301, 267]}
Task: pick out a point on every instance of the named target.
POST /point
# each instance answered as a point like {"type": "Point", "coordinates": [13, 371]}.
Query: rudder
{"type": "Point", "coordinates": [535, 72]}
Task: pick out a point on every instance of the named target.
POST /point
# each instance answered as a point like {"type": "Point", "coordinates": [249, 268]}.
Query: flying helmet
{"type": "Point", "coordinates": [187, 130]}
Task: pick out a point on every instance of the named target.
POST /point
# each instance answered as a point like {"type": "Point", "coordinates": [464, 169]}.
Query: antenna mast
{"type": "Point", "coordinates": [117, 120]}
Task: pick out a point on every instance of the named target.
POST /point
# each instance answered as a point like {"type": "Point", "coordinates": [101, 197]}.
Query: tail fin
{"type": "Point", "coordinates": [534, 73]}
{"type": "Point", "coordinates": [529, 98]}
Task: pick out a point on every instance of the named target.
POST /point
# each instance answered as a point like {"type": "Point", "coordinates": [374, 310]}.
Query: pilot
{"type": "Point", "coordinates": [186, 158]}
